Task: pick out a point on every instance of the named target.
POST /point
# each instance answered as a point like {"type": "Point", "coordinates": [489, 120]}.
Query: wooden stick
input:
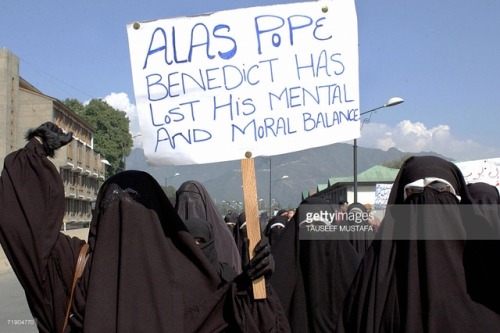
{"type": "Point", "coordinates": [252, 216]}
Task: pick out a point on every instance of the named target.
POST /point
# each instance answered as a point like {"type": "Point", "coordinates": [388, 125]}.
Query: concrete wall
{"type": "Point", "coordinates": [9, 91]}
{"type": "Point", "coordinates": [80, 233]}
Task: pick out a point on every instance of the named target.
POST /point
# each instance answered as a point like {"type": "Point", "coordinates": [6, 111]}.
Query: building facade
{"type": "Point", "coordinates": [22, 107]}
{"type": "Point", "coordinates": [342, 188]}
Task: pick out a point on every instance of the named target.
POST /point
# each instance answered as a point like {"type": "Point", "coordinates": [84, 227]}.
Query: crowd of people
{"type": "Point", "coordinates": [153, 266]}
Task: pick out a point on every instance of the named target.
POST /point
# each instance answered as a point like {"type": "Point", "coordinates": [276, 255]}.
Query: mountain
{"type": "Point", "coordinates": [305, 170]}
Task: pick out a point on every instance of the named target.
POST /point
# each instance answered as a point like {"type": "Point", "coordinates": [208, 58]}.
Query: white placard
{"type": "Point", "coordinates": [269, 80]}
{"type": "Point", "coordinates": [382, 192]}
{"type": "Point", "coordinates": [485, 171]}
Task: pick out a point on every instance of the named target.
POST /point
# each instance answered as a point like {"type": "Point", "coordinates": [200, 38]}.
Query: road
{"type": "Point", "coordinates": [15, 316]}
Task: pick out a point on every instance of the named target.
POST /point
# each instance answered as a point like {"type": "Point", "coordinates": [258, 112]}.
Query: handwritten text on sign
{"type": "Point", "coordinates": [269, 80]}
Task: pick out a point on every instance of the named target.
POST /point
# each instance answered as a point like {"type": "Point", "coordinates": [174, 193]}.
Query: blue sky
{"type": "Point", "coordinates": [441, 57]}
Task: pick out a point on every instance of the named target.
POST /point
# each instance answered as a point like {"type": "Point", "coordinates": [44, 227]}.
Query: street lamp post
{"type": "Point", "coordinates": [391, 102]}
{"type": "Point", "coordinates": [270, 192]}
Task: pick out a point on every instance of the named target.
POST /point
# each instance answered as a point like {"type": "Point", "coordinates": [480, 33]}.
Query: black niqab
{"type": "Point", "coordinates": [274, 227]}
{"type": "Point", "coordinates": [487, 198]}
{"type": "Point", "coordinates": [144, 263]}
{"type": "Point", "coordinates": [194, 201]}
{"type": "Point", "coordinates": [202, 231]}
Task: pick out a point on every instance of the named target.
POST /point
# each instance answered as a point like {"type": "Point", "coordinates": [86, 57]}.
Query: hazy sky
{"type": "Point", "coordinates": [441, 57]}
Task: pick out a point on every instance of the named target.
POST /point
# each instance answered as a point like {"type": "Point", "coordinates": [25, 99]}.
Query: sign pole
{"type": "Point", "coordinates": [252, 216]}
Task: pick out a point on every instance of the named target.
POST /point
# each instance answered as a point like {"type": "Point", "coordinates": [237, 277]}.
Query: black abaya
{"type": "Point", "coordinates": [487, 198]}
{"type": "Point", "coordinates": [419, 273]}
{"type": "Point", "coordinates": [31, 213]}
{"type": "Point", "coordinates": [312, 276]}
{"type": "Point", "coordinates": [193, 201]}
{"type": "Point", "coordinates": [144, 274]}
{"type": "Point", "coordinates": [203, 235]}
{"type": "Point", "coordinates": [163, 276]}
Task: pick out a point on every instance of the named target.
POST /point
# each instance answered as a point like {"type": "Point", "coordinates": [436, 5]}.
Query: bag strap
{"type": "Point", "coordinates": [80, 266]}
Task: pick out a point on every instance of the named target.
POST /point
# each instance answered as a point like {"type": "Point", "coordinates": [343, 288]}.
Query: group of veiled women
{"type": "Point", "coordinates": [153, 267]}
{"type": "Point", "coordinates": [145, 271]}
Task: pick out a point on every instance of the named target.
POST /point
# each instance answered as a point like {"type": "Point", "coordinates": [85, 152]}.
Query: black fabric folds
{"type": "Point", "coordinates": [487, 198]}
{"type": "Point", "coordinates": [274, 227]}
{"type": "Point", "coordinates": [201, 230]}
{"type": "Point", "coordinates": [144, 274]}
{"type": "Point", "coordinates": [287, 278]}
{"type": "Point", "coordinates": [144, 264]}
{"type": "Point", "coordinates": [410, 283]}
{"type": "Point", "coordinates": [194, 201]}
{"type": "Point", "coordinates": [312, 277]}
{"type": "Point", "coordinates": [31, 213]}
{"type": "Point", "coordinates": [164, 278]}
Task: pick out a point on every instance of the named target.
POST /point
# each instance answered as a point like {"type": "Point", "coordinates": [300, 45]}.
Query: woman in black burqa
{"type": "Point", "coordinates": [423, 271]}
{"type": "Point", "coordinates": [312, 275]}
{"type": "Point", "coordinates": [193, 201]}
{"type": "Point", "coordinates": [202, 232]}
{"type": "Point", "coordinates": [31, 213]}
{"type": "Point", "coordinates": [144, 273]}
{"type": "Point", "coordinates": [274, 227]}
{"type": "Point", "coordinates": [488, 199]}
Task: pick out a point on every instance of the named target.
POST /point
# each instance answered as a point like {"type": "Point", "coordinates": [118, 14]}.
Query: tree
{"type": "Point", "coordinates": [396, 164]}
{"type": "Point", "coordinates": [112, 137]}
{"type": "Point", "coordinates": [74, 105]}
{"type": "Point", "coordinates": [169, 191]}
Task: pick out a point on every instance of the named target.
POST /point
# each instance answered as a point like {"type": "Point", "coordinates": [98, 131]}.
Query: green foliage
{"type": "Point", "coordinates": [112, 138]}
{"type": "Point", "coordinates": [396, 164]}
{"type": "Point", "coordinates": [169, 191]}
{"type": "Point", "coordinates": [74, 105]}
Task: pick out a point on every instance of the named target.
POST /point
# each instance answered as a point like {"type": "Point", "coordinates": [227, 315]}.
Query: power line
{"type": "Point", "coordinates": [38, 69]}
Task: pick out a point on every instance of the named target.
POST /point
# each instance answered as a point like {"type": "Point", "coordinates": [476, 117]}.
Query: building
{"type": "Point", "coordinates": [22, 107]}
{"type": "Point", "coordinates": [342, 188]}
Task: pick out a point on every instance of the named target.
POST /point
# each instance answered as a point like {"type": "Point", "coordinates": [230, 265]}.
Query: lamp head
{"type": "Point", "coordinates": [394, 101]}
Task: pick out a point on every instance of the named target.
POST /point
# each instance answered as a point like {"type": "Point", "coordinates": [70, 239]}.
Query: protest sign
{"type": "Point", "coordinates": [485, 171]}
{"type": "Point", "coordinates": [269, 80]}
{"type": "Point", "coordinates": [382, 192]}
